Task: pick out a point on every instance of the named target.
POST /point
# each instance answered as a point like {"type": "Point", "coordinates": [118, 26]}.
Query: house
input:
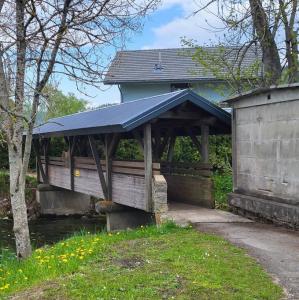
{"type": "Point", "coordinates": [265, 131]}
{"type": "Point", "coordinates": [145, 73]}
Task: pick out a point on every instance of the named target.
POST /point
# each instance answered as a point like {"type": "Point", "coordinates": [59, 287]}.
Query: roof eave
{"type": "Point", "coordinates": [112, 82]}
{"type": "Point", "coordinates": [83, 131]}
{"type": "Point", "coordinates": [258, 91]}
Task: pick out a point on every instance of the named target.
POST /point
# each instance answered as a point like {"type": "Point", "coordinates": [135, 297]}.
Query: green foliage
{"type": "Point", "coordinates": [223, 185]}
{"type": "Point", "coordinates": [60, 104]}
{"type": "Point", "coordinates": [163, 262]}
{"type": "Point", "coordinates": [219, 152]}
{"type": "Point", "coordinates": [218, 62]}
{"type": "Point", "coordinates": [4, 163]}
{"type": "Point", "coordinates": [31, 184]}
{"type": "Point", "coordinates": [129, 150]}
{"type": "Point", "coordinates": [185, 151]}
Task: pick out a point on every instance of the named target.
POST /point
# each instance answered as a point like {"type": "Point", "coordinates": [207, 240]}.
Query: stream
{"type": "Point", "coordinates": [50, 230]}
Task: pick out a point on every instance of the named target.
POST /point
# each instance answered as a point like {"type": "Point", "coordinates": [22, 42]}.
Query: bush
{"type": "Point", "coordinates": [220, 152]}
{"type": "Point", "coordinates": [31, 184]}
{"type": "Point", "coordinates": [223, 185]}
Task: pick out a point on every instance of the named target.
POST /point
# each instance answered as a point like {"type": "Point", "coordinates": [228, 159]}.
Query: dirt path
{"type": "Point", "coordinates": [276, 248]}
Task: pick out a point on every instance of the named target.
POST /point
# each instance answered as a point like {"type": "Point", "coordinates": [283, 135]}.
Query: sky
{"type": "Point", "coordinates": [164, 28]}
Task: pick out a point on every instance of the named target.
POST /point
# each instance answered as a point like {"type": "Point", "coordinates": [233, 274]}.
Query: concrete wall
{"type": "Point", "coordinates": [266, 155]}
{"type": "Point", "coordinates": [211, 91]}
{"type": "Point", "coordinates": [190, 189]}
{"type": "Point", "coordinates": [267, 149]}
{"type": "Point", "coordinates": [61, 202]}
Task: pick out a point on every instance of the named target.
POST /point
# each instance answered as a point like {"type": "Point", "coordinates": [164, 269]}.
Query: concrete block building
{"type": "Point", "coordinates": [265, 133]}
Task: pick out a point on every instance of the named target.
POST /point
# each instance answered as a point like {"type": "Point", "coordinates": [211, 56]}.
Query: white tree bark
{"type": "Point", "coordinates": [18, 203]}
{"type": "Point", "coordinates": [38, 36]}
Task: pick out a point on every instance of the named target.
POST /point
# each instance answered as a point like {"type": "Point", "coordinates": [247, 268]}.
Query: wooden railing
{"type": "Point", "coordinates": [118, 166]}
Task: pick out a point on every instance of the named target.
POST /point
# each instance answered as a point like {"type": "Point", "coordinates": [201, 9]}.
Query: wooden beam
{"type": "Point", "coordinates": [108, 163]}
{"type": "Point", "coordinates": [72, 144]}
{"type": "Point", "coordinates": [181, 115]}
{"type": "Point", "coordinates": [157, 144]}
{"type": "Point", "coordinates": [37, 171]}
{"type": "Point", "coordinates": [139, 139]}
{"type": "Point", "coordinates": [35, 144]}
{"type": "Point", "coordinates": [46, 146]}
{"type": "Point", "coordinates": [148, 164]}
{"type": "Point", "coordinates": [194, 139]}
{"type": "Point", "coordinates": [113, 144]}
{"type": "Point", "coordinates": [205, 143]}
{"type": "Point", "coordinates": [168, 123]}
{"type": "Point", "coordinates": [96, 158]}
{"type": "Point", "coordinates": [163, 145]}
{"type": "Point", "coordinates": [171, 148]}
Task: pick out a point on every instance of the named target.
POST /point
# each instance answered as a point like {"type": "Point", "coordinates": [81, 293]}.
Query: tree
{"type": "Point", "coordinates": [271, 25]}
{"type": "Point", "coordinates": [230, 65]}
{"type": "Point", "coordinates": [59, 104]}
{"type": "Point", "coordinates": [43, 39]}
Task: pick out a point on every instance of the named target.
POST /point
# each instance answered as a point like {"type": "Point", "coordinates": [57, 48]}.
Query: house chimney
{"type": "Point", "coordinates": [158, 67]}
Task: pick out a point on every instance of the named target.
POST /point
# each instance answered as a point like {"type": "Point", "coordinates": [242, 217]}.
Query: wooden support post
{"type": "Point", "coordinates": [138, 138]}
{"type": "Point", "coordinates": [113, 144]}
{"type": "Point", "coordinates": [72, 144]}
{"type": "Point", "coordinates": [97, 160]}
{"type": "Point", "coordinates": [148, 164]}
{"type": "Point", "coordinates": [37, 171]}
{"type": "Point", "coordinates": [46, 149]}
{"type": "Point", "coordinates": [108, 166]}
{"type": "Point", "coordinates": [39, 162]}
{"type": "Point", "coordinates": [157, 145]}
{"type": "Point", "coordinates": [205, 143]}
{"type": "Point", "coordinates": [171, 148]}
{"type": "Point", "coordinates": [195, 140]}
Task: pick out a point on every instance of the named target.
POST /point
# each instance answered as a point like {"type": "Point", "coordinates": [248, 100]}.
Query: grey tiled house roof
{"type": "Point", "coordinates": [171, 65]}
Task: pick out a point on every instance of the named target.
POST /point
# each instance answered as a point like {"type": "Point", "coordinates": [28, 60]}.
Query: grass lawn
{"type": "Point", "coordinates": [148, 263]}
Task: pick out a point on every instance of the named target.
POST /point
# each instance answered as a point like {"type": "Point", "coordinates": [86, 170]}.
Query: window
{"type": "Point", "coordinates": [179, 86]}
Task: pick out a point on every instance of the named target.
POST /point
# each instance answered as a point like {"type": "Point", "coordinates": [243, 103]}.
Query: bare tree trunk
{"type": "Point", "coordinates": [36, 36]}
{"type": "Point", "coordinates": [290, 39]}
{"type": "Point", "coordinates": [17, 174]}
{"type": "Point", "coordinates": [18, 203]}
{"type": "Point", "coordinates": [271, 58]}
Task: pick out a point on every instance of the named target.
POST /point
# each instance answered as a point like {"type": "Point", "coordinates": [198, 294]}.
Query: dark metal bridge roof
{"type": "Point", "coordinates": [126, 116]}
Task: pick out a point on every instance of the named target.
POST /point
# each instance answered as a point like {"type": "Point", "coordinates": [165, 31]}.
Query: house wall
{"type": "Point", "coordinates": [132, 91]}
{"type": "Point", "coordinates": [266, 155]}
{"type": "Point", "coordinates": [211, 91]}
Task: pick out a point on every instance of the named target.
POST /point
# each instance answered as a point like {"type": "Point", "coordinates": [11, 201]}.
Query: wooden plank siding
{"type": "Point", "coordinates": [128, 180]}
{"type": "Point", "coordinates": [118, 166]}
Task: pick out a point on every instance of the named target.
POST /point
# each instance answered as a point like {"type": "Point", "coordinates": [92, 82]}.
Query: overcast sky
{"type": "Point", "coordinates": [163, 29]}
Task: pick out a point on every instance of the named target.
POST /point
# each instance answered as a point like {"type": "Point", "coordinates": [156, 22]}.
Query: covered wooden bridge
{"type": "Point", "coordinates": [89, 165]}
